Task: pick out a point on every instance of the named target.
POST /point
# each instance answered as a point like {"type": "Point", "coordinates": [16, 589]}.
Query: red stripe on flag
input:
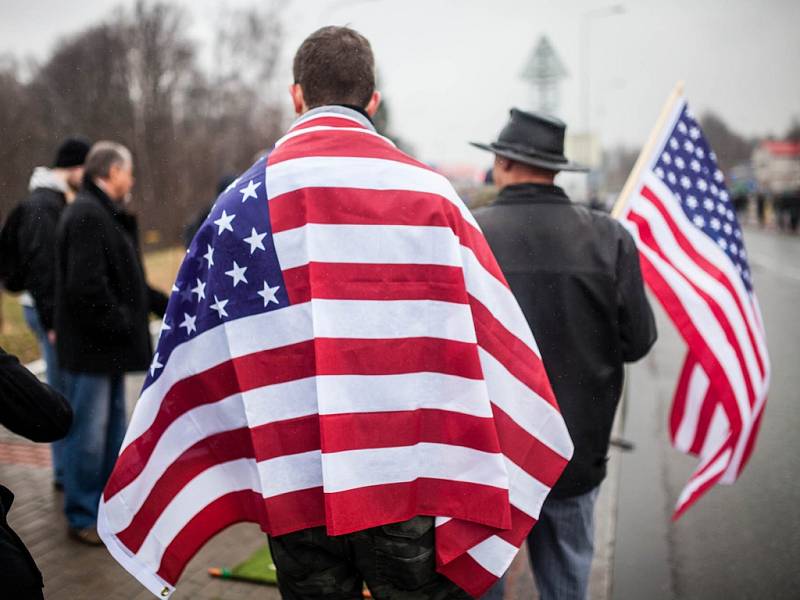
{"type": "Point", "coordinates": [354, 431]}
{"type": "Point", "coordinates": [526, 451]}
{"type": "Point", "coordinates": [322, 356]}
{"type": "Point", "coordinates": [751, 439]}
{"type": "Point", "coordinates": [353, 206]}
{"type": "Point", "coordinates": [646, 236]}
{"type": "Point", "coordinates": [294, 511]}
{"type": "Point", "coordinates": [705, 486]}
{"type": "Point", "coordinates": [680, 398]}
{"type": "Point", "coordinates": [350, 144]}
{"type": "Point", "coordinates": [511, 352]}
{"type": "Point", "coordinates": [219, 448]}
{"type": "Point", "coordinates": [328, 122]}
{"type": "Point", "coordinates": [706, 266]}
{"type": "Point", "coordinates": [370, 506]}
{"type": "Point", "coordinates": [677, 312]}
{"type": "Point", "coordinates": [457, 536]}
{"type": "Point", "coordinates": [469, 575]}
{"type": "Point", "coordinates": [235, 507]}
{"type": "Point", "coordinates": [282, 438]}
{"type": "Point", "coordinates": [359, 281]}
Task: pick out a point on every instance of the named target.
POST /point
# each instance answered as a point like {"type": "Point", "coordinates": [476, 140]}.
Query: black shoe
{"type": "Point", "coordinates": [87, 536]}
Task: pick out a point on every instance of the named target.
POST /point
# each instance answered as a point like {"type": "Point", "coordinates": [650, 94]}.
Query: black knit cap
{"type": "Point", "coordinates": [72, 152]}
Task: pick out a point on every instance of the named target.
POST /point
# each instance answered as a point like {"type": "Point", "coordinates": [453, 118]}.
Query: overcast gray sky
{"type": "Point", "coordinates": [451, 68]}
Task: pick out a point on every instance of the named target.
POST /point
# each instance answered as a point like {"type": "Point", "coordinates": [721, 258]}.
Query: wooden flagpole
{"type": "Point", "coordinates": [644, 155]}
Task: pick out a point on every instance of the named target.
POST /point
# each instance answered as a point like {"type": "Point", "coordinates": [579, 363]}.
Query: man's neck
{"type": "Point", "coordinates": [528, 178]}
{"type": "Point", "coordinates": [103, 185]}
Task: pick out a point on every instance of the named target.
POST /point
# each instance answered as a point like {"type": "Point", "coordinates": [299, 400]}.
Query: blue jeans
{"type": "Point", "coordinates": [561, 546]}
{"type": "Point", "coordinates": [92, 445]}
{"type": "Point", "coordinates": [54, 376]}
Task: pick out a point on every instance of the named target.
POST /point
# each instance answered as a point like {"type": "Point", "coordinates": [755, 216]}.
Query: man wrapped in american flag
{"type": "Point", "coordinates": [343, 363]}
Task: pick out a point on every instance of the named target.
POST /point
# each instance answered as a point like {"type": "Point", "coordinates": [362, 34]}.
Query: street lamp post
{"type": "Point", "coordinates": [585, 23]}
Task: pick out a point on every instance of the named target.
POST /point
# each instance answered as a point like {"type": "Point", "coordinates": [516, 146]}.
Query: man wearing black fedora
{"type": "Point", "coordinates": [575, 273]}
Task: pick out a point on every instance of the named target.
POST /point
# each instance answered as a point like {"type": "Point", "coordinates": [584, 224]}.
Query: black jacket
{"type": "Point", "coordinates": [36, 237]}
{"type": "Point", "coordinates": [575, 273]}
{"type": "Point", "coordinates": [36, 411]}
{"type": "Point", "coordinates": [102, 298]}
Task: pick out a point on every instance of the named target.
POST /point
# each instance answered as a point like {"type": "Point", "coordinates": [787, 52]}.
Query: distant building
{"type": "Point", "coordinates": [776, 165]}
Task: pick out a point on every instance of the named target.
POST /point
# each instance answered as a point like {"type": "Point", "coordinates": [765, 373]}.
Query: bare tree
{"type": "Point", "coordinates": [136, 78]}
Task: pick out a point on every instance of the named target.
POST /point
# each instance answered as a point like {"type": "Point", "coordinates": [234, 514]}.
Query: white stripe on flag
{"type": "Point", "coordinates": [490, 292]}
{"type": "Point", "coordinates": [384, 319]}
{"type": "Point", "coordinates": [365, 244]}
{"type": "Point", "coordinates": [702, 279]}
{"type": "Point", "coordinates": [316, 128]}
{"type": "Point", "coordinates": [210, 485]}
{"type": "Point", "coordinates": [712, 471]}
{"type": "Point", "coordinates": [353, 469]}
{"type": "Point", "coordinates": [290, 473]}
{"type": "Point", "coordinates": [525, 492]}
{"type": "Point", "coordinates": [494, 554]}
{"type": "Point", "coordinates": [719, 430]}
{"type": "Point", "coordinates": [529, 410]}
{"type": "Point", "coordinates": [291, 325]}
{"type": "Point", "coordinates": [348, 394]}
{"type": "Point", "coordinates": [360, 173]}
{"type": "Point", "coordinates": [704, 246]}
{"type": "Point", "coordinates": [695, 394]}
{"type": "Point", "coordinates": [709, 328]}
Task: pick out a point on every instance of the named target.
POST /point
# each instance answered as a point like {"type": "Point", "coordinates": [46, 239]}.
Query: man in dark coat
{"type": "Point", "coordinates": [102, 307]}
{"type": "Point", "coordinates": [34, 223]}
{"type": "Point", "coordinates": [36, 411]}
{"type": "Point", "coordinates": [575, 273]}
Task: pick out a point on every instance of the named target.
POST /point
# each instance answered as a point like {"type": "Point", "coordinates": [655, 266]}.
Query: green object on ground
{"type": "Point", "coordinates": [258, 568]}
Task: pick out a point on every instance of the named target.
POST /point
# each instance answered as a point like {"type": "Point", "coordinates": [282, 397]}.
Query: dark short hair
{"type": "Point", "coordinates": [334, 65]}
{"type": "Point", "coordinates": [103, 156]}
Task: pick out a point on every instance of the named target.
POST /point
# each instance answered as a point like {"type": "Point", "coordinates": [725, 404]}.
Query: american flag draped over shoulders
{"type": "Point", "coordinates": [340, 349]}
{"type": "Point", "coordinates": [694, 260]}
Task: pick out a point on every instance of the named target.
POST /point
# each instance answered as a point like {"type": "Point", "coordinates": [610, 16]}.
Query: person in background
{"type": "Point", "coordinates": [29, 243]}
{"type": "Point", "coordinates": [575, 273]}
{"type": "Point", "coordinates": [38, 412]}
{"type": "Point", "coordinates": [101, 315]}
{"type": "Point", "coordinates": [191, 228]}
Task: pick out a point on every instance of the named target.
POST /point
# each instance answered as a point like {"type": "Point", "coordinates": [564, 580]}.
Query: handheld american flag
{"type": "Point", "coordinates": [694, 260]}
{"type": "Point", "coordinates": [340, 349]}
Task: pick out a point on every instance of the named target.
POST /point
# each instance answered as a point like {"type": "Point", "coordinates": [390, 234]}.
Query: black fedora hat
{"type": "Point", "coordinates": [534, 139]}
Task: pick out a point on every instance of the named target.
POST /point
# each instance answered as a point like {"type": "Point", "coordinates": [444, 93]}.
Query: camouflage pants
{"type": "Point", "coordinates": [396, 561]}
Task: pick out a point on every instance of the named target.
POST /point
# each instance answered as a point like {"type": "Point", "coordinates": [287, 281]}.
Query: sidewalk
{"type": "Point", "coordinates": [74, 572]}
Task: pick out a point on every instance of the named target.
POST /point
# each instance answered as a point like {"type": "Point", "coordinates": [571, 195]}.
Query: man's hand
{"type": "Point", "coordinates": [51, 336]}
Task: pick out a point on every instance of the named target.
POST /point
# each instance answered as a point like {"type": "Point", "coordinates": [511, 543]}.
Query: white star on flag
{"type": "Point", "coordinates": [209, 256]}
{"type": "Point", "coordinates": [188, 323]}
{"type": "Point", "coordinates": [155, 365]}
{"type": "Point", "coordinates": [237, 273]}
{"type": "Point", "coordinates": [250, 190]}
{"type": "Point", "coordinates": [268, 294]}
{"type": "Point", "coordinates": [224, 222]}
{"type": "Point", "coordinates": [219, 306]}
{"type": "Point", "coordinates": [200, 290]}
{"type": "Point", "coordinates": [256, 240]}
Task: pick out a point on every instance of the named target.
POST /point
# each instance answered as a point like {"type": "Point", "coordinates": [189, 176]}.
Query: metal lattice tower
{"type": "Point", "coordinates": [544, 72]}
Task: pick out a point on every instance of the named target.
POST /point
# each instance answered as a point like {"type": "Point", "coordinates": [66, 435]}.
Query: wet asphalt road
{"type": "Point", "coordinates": [740, 541]}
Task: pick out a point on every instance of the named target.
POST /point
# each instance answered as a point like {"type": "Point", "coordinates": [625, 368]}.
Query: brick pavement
{"type": "Point", "coordinates": [74, 572]}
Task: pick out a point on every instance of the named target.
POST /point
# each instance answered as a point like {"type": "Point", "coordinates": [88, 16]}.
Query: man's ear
{"type": "Point", "coordinates": [372, 106]}
{"type": "Point", "coordinates": [299, 102]}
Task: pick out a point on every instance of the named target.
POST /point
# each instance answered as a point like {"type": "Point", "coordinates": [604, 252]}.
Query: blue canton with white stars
{"type": "Point", "coordinates": [688, 167]}
{"type": "Point", "coordinates": [230, 270]}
